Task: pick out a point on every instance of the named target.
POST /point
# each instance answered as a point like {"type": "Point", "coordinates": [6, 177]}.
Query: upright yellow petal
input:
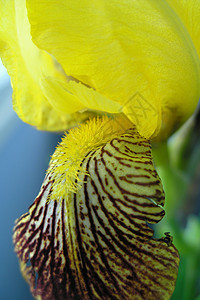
{"type": "Point", "coordinates": [189, 13]}
{"type": "Point", "coordinates": [28, 66]}
{"type": "Point", "coordinates": [122, 49]}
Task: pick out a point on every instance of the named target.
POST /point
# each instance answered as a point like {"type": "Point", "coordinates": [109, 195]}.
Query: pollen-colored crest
{"type": "Point", "coordinates": [95, 243]}
{"type": "Point", "coordinates": [66, 163]}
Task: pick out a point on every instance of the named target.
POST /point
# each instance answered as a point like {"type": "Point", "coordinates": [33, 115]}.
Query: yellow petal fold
{"type": "Point", "coordinates": [28, 66]}
{"type": "Point", "coordinates": [95, 243]}
{"type": "Point", "coordinates": [90, 99]}
{"type": "Point", "coordinates": [121, 49]}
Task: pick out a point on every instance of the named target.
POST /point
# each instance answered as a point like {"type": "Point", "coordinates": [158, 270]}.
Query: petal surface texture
{"type": "Point", "coordinates": [28, 67]}
{"type": "Point", "coordinates": [95, 243]}
{"type": "Point", "coordinates": [132, 56]}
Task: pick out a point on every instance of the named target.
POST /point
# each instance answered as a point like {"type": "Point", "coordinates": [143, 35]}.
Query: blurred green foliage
{"type": "Point", "coordinates": [178, 164]}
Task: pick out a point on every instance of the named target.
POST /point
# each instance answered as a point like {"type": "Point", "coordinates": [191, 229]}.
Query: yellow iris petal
{"type": "Point", "coordinates": [28, 66]}
{"type": "Point", "coordinates": [121, 49]}
{"type": "Point", "coordinates": [94, 241]}
{"type": "Point", "coordinates": [189, 13]}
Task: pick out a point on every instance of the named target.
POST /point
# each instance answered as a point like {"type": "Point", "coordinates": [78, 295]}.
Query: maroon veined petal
{"type": "Point", "coordinates": [96, 243]}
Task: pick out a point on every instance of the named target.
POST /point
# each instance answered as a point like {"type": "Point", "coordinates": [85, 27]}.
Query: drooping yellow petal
{"type": "Point", "coordinates": [123, 49]}
{"type": "Point", "coordinates": [95, 243]}
{"type": "Point", "coordinates": [28, 66]}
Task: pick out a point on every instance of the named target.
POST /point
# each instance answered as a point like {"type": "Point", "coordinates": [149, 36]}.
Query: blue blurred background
{"type": "Point", "coordinates": [24, 157]}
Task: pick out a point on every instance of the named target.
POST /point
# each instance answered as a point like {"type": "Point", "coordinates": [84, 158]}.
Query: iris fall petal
{"type": "Point", "coordinates": [95, 243]}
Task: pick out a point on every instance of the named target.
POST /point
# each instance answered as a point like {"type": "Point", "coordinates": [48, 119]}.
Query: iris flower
{"type": "Point", "coordinates": [131, 68]}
